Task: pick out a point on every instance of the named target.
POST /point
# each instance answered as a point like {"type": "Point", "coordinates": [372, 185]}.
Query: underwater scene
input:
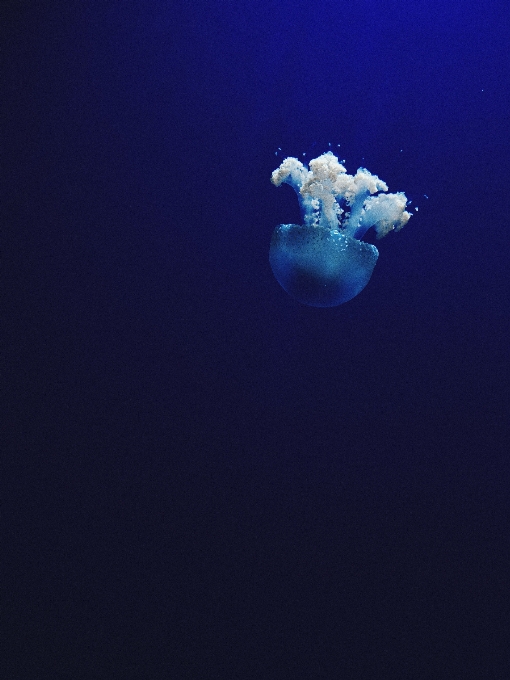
{"type": "Point", "coordinates": [256, 322]}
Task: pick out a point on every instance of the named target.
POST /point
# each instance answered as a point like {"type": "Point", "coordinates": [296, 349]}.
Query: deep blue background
{"type": "Point", "coordinates": [202, 478]}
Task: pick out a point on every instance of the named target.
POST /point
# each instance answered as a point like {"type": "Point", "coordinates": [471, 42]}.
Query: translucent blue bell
{"type": "Point", "coordinates": [318, 266]}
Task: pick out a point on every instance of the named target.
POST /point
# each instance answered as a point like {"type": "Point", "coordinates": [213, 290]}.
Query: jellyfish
{"type": "Point", "coordinates": [324, 262]}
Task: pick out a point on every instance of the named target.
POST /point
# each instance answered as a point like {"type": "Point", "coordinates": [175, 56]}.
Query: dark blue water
{"type": "Point", "coordinates": [201, 477]}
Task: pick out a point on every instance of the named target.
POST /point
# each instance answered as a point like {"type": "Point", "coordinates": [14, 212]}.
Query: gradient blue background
{"type": "Point", "coordinates": [202, 478]}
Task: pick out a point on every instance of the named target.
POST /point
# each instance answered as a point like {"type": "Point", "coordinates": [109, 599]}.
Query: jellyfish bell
{"type": "Point", "coordinates": [318, 266]}
{"type": "Point", "coordinates": [324, 262]}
